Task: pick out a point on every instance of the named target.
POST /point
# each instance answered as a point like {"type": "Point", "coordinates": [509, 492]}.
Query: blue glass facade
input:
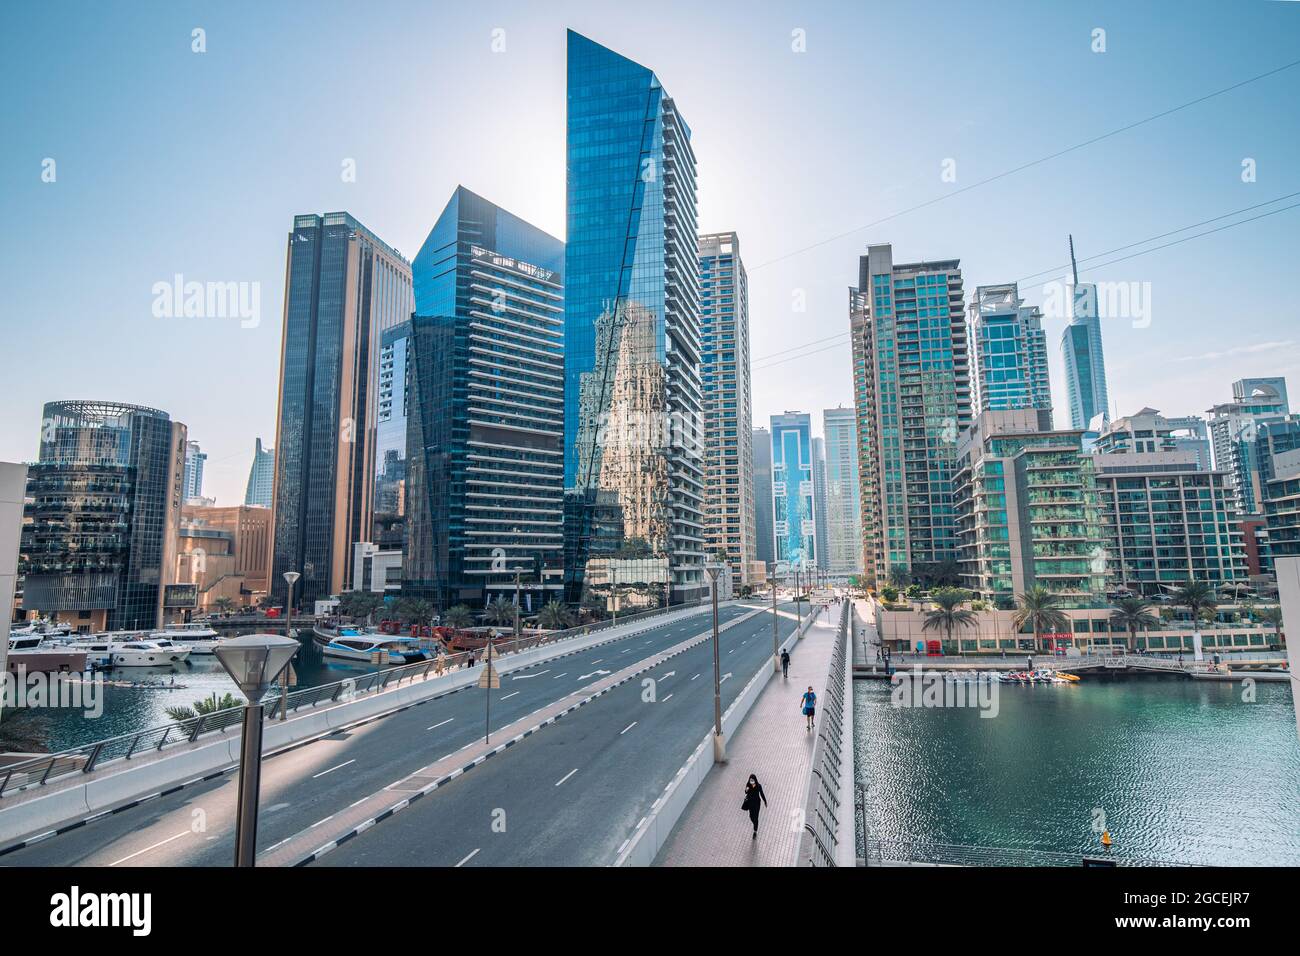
{"type": "Point", "coordinates": [484, 440]}
{"type": "Point", "coordinates": [794, 503]}
{"type": "Point", "coordinates": [1009, 350]}
{"type": "Point", "coordinates": [632, 440]}
{"type": "Point", "coordinates": [1085, 364]}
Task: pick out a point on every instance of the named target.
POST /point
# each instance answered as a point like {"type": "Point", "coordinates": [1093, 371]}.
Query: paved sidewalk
{"type": "Point", "coordinates": [772, 744]}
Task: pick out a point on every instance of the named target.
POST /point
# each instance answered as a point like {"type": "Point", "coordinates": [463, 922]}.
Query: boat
{"type": "Point", "coordinates": [34, 655]}
{"type": "Point", "coordinates": [196, 635]}
{"type": "Point", "coordinates": [355, 645]}
{"type": "Point", "coordinates": [144, 653]}
{"type": "Point", "coordinates": [1069, 678]}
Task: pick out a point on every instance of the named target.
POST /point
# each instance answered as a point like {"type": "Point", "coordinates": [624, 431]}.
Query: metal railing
{"type": "Point", "coordinates": [922, 852]}
{"type": "Point", "coordinates": [86, 758]}
{"type": "Point", "coordinates": [822, 814]}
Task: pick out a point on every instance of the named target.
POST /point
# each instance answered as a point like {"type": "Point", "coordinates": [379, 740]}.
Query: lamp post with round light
{"type": "Point", "coordinates": [776, 644]}
{"type": "Point", "coordinates": [292, 577]}
{"type": "Point", "coordinates": [253, 662]}
{"type": "Point", "coordinates": [719, 744]}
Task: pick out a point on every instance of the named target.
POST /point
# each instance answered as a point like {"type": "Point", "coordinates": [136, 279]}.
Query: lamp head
{"type": "Point", "coordinates": [255, 660]}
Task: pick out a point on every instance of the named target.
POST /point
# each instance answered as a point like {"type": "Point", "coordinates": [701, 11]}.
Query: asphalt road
{"type": "Point", "coordinates": [573, 794]}
{"type": "Point", "coordinates": [304, 787]}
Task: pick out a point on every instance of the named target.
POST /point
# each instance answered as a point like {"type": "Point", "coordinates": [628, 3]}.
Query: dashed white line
{"type": "Point", "coordinates": [557, 677]}
{"type": "Point", "coordinates": [693, 678]}
{"type": "Point", "coordinates": [511, 694]}
{"type": "Point", "coordinates": [468, 858]}
{"type": "Point", "coordinates": [566, 776]}
{"type": "Point", "coordinates": [666, 699]}
{"type": "Point", "coordinates": [332, 769]}
{"type": "Point", "coordinates": [439, 724]}
{"type": "Point", "coordinates": [627, 728]}
{"type": "Point", "coordinates": [148, 848]}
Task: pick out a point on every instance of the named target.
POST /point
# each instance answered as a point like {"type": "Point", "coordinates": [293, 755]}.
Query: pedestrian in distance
{"type": "Point", "coordinates": [755, 799]}
{"type": "Point", "coordinates": [808, 703]}
{"type": "Point", "coordinates": [785, 663]}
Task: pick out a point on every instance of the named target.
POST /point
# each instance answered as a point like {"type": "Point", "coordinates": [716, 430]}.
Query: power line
{"type": "Point", "coordinates": [1034, 162]}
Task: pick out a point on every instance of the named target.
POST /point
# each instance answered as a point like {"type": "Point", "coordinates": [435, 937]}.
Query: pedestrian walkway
{"type": "Point", "coordinates": [772, 744]}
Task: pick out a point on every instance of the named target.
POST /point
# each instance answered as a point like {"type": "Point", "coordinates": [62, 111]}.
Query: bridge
{"type": "Point", "coordinates": [594, 753]}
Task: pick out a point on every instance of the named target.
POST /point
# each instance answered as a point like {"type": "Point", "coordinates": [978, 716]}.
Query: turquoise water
{"type": "Point", "coordinates": [1184, 771]}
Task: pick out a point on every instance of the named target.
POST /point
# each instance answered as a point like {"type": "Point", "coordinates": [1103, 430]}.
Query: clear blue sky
{"type": "Point", "coordinates": [173, 162]}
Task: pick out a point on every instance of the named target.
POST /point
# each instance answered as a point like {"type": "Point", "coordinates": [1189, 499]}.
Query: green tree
{"type": "Point", "coordinates": [1132, 613]}
{"type": "Point", "coordinates": [900, 576]}
{"type": "Point", "coordinates": [948, 612]}
{"type": "Point", "coordinates": [1272, 616]}
{"type": "Point", "coordinates": [458, 616]}
{"type": "Point", "coordinates": [1039, 608]}
{"type": "Point", "coordinates": [501, 611]}
{"type": "Point", "coordinates": [554, 616]}
{"type": "Point", "coordinates": [1199, 598]}
{"type": "Point", "coordinates": [224, 604]}
{"type": "Point", "coordinates": [206, 705]}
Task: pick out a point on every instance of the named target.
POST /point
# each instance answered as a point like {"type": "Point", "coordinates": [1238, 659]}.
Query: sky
{"type": "Point", "coordinates": [818, 127]}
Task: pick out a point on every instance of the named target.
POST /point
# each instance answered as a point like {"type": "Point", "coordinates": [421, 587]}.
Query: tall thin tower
{"type": "Point", "coordinates": [1085, 363]}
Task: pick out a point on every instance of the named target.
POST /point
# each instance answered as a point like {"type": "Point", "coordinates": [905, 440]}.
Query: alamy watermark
{"type": "Point", "coordinates": [84, 692]}
{"type": "Point", "coordinates": [180, 299]}
{"type": "Point", "coordinates": [935, 689]}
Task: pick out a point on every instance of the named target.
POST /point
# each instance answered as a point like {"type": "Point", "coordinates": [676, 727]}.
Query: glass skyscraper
{"type": "Point", "coordinates": [194, 461]}
{"type": "Point", "coordinates": [390, 438]}
{"type": "Point", "coordinates": [261, 477]}
{"type": "Point", "coordinates": [1009, 351]}
{"type": "Point", "coordinates": [841, 503]}
{"type": "Point", "coordinates": [1085, 362]}
{"type": "Point", "coordinates": [485, 417]}
{"type": "Point", "coordinates": [344, 288]}
{"type": "Point", "coordinates": [912, 393]}
{"type": "Point", "coordinates": [763, 534]}
{"type": "Point", "coordinates": [794, 498]}
{"type": "Point", "coordinates": [633, 458]}
{"type": "Point", "coordinates": [104, 515]}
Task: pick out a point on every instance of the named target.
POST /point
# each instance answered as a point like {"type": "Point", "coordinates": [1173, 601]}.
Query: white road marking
{"type": "Point", "coordinates": [627, 728]}
{"type": "Point", "coordinates": [437, 725]}
{"type": "Point", "coordinates": [666, 699]}
{"type": "Point", "coordinates": [148, 848]}
{"type": "Point", "coordinates": [332, 769]}
{"type": "Point", "coordinates": [511, 694]}
{"type": "Point", "coordinates": [557, 677]}
{"type": "Point", "coordinates": [693, 678]}
{"type": "Point", "coordinates": [526, 676]}
{"type": "Point", "coordinates": [724, 678]}
{"type": "Point", "coordinates": [468, 858]}
{"type": "Point", "coordinates": [566, 776]}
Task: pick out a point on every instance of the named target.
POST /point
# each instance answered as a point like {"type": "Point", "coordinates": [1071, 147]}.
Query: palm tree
{"type": "Point", "coordinates": [899, 576]}
{"type": "Point", "coordinates": [1272, 616]}
{"type": "Point", "coordinates": [207, 705]}
{"type": "Point", "coordinates": [459, 616]}
{"type": "Point", "coordinates": [554, 616]}
{"type": "Point", "coordinates": [1199, 598]}
{"type": "Point", "coordinates": [948, 612]}
{"type": "Point", "coordinates": [224, 604]}
{"type": "Point", "coordinates": [1132, 613]}
{"type": "Point", "coordinates": [500, 611]}
{"type": "Point", "coordinates": [1038, 607]}
{"type": "Point", "coordinates": [414, 611]}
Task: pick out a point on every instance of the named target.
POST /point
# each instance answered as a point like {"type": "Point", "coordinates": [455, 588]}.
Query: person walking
{"type": "Point", "coordinates": [808, 703]}
{"type": "Point", "coordinates": [785, 663]}
{"type": "Point", "coordinates": [755, 798]}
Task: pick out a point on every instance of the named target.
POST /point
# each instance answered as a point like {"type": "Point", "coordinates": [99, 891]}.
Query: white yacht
{"type": "Point", "coordinates": [197, 636]}
{"type": "Point", "coordinates": [355, 645]}
{"type": "Point", "coordinates": [144, 653]}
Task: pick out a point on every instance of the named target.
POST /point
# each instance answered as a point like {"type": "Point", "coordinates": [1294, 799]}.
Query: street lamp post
{"type": "Point", "coordinates": [776, 644]}
{"type": "Point", "coordinates": [516, 608]}
{"type": "Point", "coordinates": [253, 662]}
{"type": "Point", "coordinates": [719, 744]}
{"type": "Point", "coordinates": [613, 587]}
{"type": "Point", "coordinates": [292, 577]}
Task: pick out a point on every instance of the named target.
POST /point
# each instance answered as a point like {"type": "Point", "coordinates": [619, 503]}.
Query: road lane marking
{"type": "Point", "coordinates": [666, 699]}
{"type": "Point", "coordinates": [693, 678]}
{"type": "Point", "coordinates": [441, 723]}
{"type": "Point", "coordinates": [558, 676]}
{"type": "Point", "coordinates": [627, 728]}
{"type": "Point", "coordinates": [526, 676]}
{"type": "Point", "coordinates": [148, 848]}
{"type": "Point", "coordinates": [332, 769]}
{"type": "Point", "coordinates": [468, 858]}
{"type": "Point", "coordinates": [511, 694]}
{"type": "Point", "coordinates": [566, 776]}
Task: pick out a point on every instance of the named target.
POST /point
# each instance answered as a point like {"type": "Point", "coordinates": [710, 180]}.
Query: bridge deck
{"type": "Point", "coordinates": [773, 745]}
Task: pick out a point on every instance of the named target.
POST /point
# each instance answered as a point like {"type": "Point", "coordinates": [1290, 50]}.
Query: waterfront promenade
{"type": "Point", "coordinates": [773, 745]}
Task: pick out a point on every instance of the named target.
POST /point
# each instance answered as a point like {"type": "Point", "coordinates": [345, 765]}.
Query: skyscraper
{"type": "Point", "coordinates": [764, 537]}
{"type": "Point", "coordinates": [194, 461]}
{"type": "Point", "coordinates": [390, 438]}
{"type": "Point", "coordinates": [728, 413]}
{"type": "Point", "coordinates": [344, 287]}
{"type": "Point", "coordinates": [1008, 350]}
{"type": "Point", "coordinates": [485, 425]}
{"type": "Point", "coordinates": [912, 394]}
{"type": "Point", "coordinates": [633, 463]}
{"type": "Point", "coordinates": [819, 497]}
{"type": "Point", "coordinates": [1235, 431]}
{"type": "Point", "coordinates": [841, 503]}
{"type": "Point", "coordinates": [105, 510]}
{"type": "Point", "coordinates": [794, 501]}
{"type": "Point", "coordinates": [1085, 363]}
{"type": "Point", "coordinates": [261, 477]}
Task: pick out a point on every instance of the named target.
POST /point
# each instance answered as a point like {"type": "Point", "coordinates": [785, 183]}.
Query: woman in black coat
{"type": "Point", "coordinates": [755, 799]}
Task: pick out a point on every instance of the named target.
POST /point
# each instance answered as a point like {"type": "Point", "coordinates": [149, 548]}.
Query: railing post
{"type": "Point", "coordinates": [91, 760]}
{"type": "Point", "coordinates": [5, 782]}
{"type": "Point", "coordinates": [48, 768]}
{"type": "Point", "coordinates": [166, 734]}
{"type": "Point", "coordinates": [198, 727]}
